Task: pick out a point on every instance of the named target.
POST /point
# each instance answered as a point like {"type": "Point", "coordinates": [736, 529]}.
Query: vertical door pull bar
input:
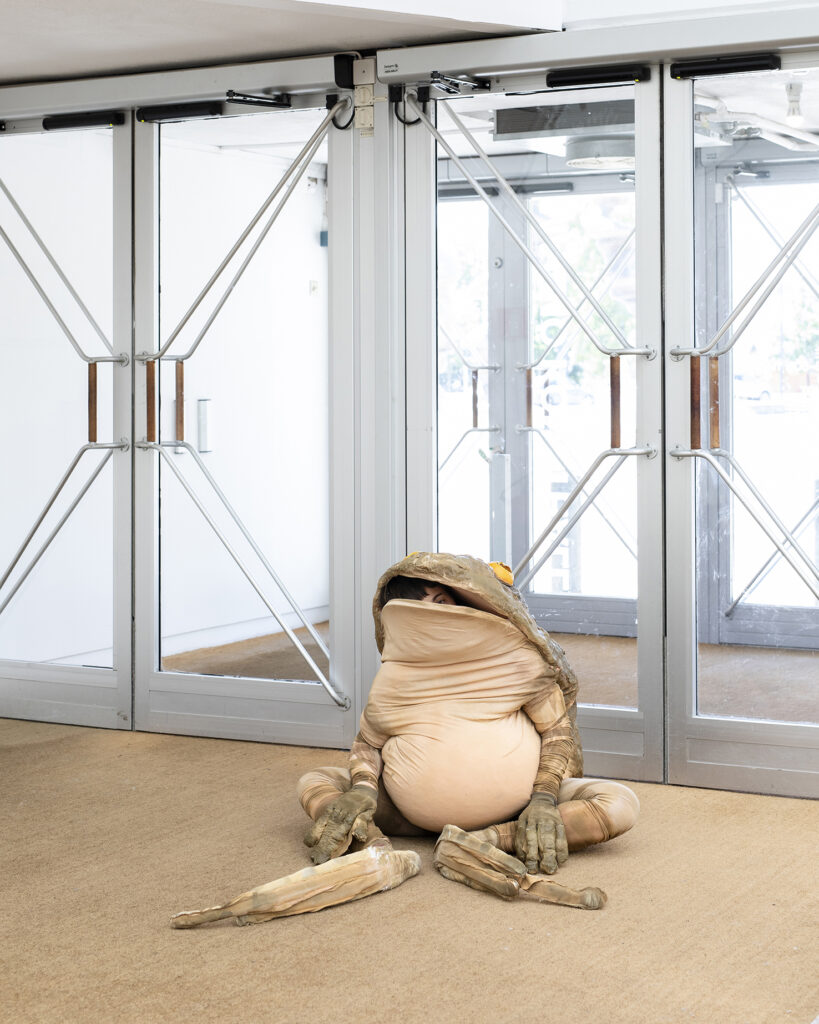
{"type": "Point", "coordinates": [474, 398]}
{"type": "Point", "coordinates": [92, 403]}
{"type": "Point", "coordinates": [713, 401]}
{"type": "Point", "coordinates": [528, 396]}
{"type": "Point", "coordinates": [180, 400]}
{"type": "Point", "coordinates": [150, 400]}
{"type": "Point", "coordinates": [696, 435]}
{"type": "Point", "coordinates": [614, 384]}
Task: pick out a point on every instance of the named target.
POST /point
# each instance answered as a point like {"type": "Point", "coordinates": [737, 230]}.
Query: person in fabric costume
{"type": "Point", "coordinates": [470, 728]}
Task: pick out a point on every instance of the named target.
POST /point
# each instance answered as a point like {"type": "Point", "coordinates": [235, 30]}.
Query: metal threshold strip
{"type": "Point", "coordinates": [340, 699]}
{"type": "Point", "coordinates": [571, 309]}
{"type": "Point", "coordinates": [288, 183]}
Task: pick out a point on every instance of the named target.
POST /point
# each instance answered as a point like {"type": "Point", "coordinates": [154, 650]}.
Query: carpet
{"type": "Point", "coordinates": [712, 912]}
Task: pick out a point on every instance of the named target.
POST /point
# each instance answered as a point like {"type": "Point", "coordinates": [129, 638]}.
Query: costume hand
{"type": "Point", "coordinates": [340, 822]}
{"type": "Point", "coordinates": [540, 839]}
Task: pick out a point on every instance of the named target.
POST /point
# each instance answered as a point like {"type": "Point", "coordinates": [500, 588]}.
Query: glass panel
{"type": "Point", "coordinates": [757, 624]}
{"type": "Point", "coordinates": [58, 188]}
{"type": "Point", "coordinates": [255, 402]}
{"type": "Point", "coordinates": [523, 392]}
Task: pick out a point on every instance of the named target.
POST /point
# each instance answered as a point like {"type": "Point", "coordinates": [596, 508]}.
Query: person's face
{"type": "Point", "coordinates": [435, 594]}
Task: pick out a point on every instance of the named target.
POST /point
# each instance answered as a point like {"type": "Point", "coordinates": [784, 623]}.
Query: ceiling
{"type": "Point", "coordinates": [49, 40]}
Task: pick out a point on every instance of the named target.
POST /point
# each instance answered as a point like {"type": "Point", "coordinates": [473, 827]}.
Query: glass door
{"type": "Point", "coordinates": [65, 573]}
{"type": "Point", "coordinates": [236, 480]}
{"type": "Point", "coordinates": [744, 468]}
{"type": "Point", "coordinates": [549, 382]}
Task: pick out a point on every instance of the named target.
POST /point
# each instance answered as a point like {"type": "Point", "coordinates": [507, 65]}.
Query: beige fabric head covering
{"type": "Point", "coordinates": [478, 586]}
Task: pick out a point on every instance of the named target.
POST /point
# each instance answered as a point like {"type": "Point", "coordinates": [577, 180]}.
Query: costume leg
{"type": "Point", "coordinates": [369, 871]}
{"type": "Point", "coordinates": [317, 789]}
{"type": "Point", "coordinates": [474, 859]}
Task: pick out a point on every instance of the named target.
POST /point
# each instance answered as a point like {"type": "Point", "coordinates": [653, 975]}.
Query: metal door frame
{"type": "Point", "coordinates": [71, 694]}
{"type": "Point", "coordinates": [618, 741]}
{"type": "Point", "coordinates": [742, 754]}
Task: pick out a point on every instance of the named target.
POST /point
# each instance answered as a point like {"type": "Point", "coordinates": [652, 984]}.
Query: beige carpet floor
{"type": "Point", "coordinates": [712, 913]}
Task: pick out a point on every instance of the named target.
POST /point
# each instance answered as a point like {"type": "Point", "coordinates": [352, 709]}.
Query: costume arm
{"type": "Point", "coordinates": [540, 838]}
{"type": "Point", "coordinates": [365, 763]}
{"type": "Point", "coordinates": [548, 712]}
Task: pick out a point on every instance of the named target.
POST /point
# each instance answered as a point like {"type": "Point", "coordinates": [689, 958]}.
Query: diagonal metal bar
{"type": "Point", "coordinates": [462, 357]}
{"type": "Point", "coordinates": [769, 230]}
{"type": "Point", "coordinates": [799, 240]}
{"type": "Point", "coordinates": [609, 267]}
{"type": "Point", "coordinates": [56, 493]}
{"type": "Point", "coordinates": [41, 292]}
{"type": "Point", "coordinates": [764, 569]}
{"type": "Point", "coordinates": [249, 538]}
{"type": "Point", "coordinates": [252, 252]}
{"type": "Point", "coordinates": [699, 453]}
{"type": "Point", "coordinates": [339, 699]}
{"type": "Point", "coordinates": [571, 523]}
{"type": "Point", "coordinates": [578, 489]}
{"type": "Point", "coordinates": [524, 248]}
{"type": "Point", "coordinates": [297, 167]}
{"type": "Point", "coordinates": [538, 228]}
{"type": "Point", "coordinates": [55, 265]}
{"type": "Point", "coordinates": [466, 433]}
{"type": "Point", "coordinates": [24, 576]}
{"type": "Point", "coordinates": [737, 468]}
{"type": "Point", "coordinates": [573, 477]}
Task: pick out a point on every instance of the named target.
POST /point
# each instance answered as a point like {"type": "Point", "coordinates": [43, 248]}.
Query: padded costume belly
{"type": "Point", "coordinates": [465, 773]}
{"type": "Point", "coordinates": [446, 710]}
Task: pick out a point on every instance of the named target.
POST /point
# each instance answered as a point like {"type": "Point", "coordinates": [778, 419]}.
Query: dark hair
{"type": "Point", "coordinates": [410, 588]}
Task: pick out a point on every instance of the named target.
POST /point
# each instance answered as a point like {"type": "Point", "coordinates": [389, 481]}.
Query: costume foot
{"type": "Point", "coordinates": [336, 881]}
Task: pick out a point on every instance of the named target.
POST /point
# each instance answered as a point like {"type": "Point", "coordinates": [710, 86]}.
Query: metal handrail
{"type": "Point", "coordinates": [615, 258]}
{"type": "Point", "coordinates": [760, 218]}
{"type": "Point", "coordinates": [564, 465]}
{"type": "Point", "coordinates": [297, 168]}
{"type": "Point", "coordinates": [571, 523]}
{"type": "Point", "coordinates": [579, 487]}
{"type": "Point", "coordinates": [466, 433]}
{"type": "Point", "coordinates": [84, 490]}
{"type": "Point", "coordinates": [524, 248]}
{"type": "Point", "coordinates": [85, 448]}
{"type": "Point", "coordinates": [535, 223]}
{"type": "Point", "coordinates": [55, 265]}
{"type": "Point", "coordinates": [340, 699]}
{"type": "Point", "coordinates": [53, 310]}
{"type": "Point", "coordinates": [799, 239]}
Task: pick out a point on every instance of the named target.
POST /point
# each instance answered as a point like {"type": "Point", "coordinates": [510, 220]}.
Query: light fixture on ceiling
{"type": "Point", "coordinates": [794, 116]}
{"type": "Point", "coordinates": [609, 152]}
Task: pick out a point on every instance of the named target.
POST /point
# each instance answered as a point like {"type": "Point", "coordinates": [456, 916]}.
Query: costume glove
{"type": "Point", "coordinates": [540, 839]}
{"type": "Point", "coordinates": [345, 819]}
